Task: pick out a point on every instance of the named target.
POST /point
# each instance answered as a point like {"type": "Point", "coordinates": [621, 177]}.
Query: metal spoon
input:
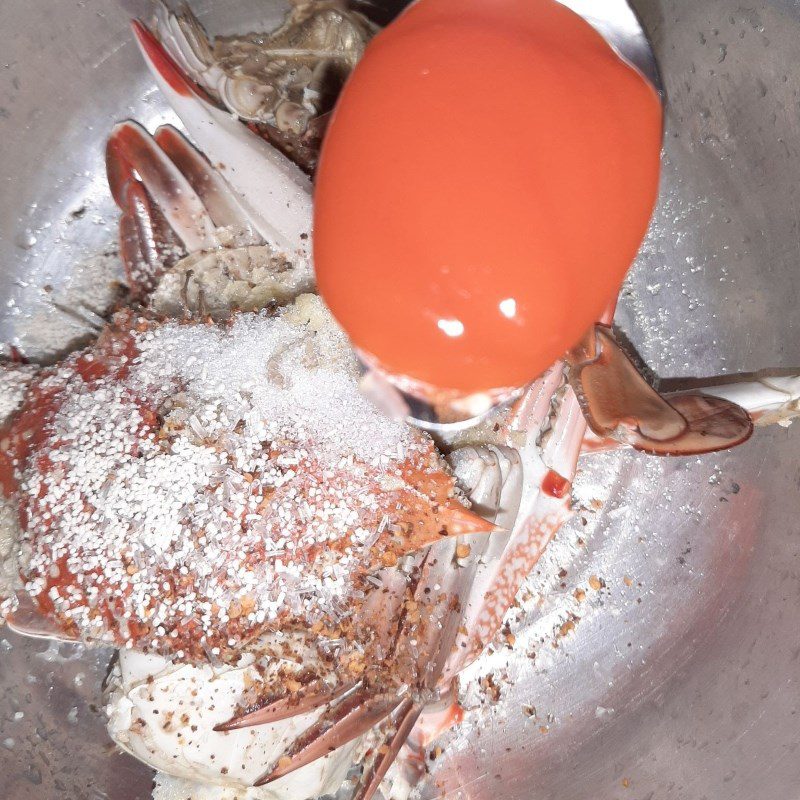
{"type": "Point", "coordinates": [619, 25]}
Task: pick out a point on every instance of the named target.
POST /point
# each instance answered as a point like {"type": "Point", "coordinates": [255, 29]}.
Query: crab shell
{"type": "Point", "coordinates": [411, 626]}
{"type": "Point", "coordinates": [497, 477]}
{"type": "Point", "coordinates": [446, 567]}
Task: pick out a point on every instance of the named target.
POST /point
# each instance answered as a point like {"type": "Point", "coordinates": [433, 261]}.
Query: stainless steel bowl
{"type": "Point", "coordinates": [681, 677]}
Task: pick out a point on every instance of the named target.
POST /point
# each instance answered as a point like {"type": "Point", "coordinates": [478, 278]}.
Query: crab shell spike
{"type": "Point", "coordinates": [406, 717]}
{"type": "Point", "coordinates": [274, 192]}
{"type": "Point", "coordinates": [217, 197]}
{"type": "Point", "coordinates": [340, 724]}
{"type": "Point", "coordinates": [619, 403]}
{"type": "Point", "coordinates": [462, 521]}
{"type": "Point", "coordinates": [28, 621]}
{"type": "Point", "coordinates": [454, 520]}
{"type": "Point", "coordinates": [130, 147]}
{"type": "Point", "coordinates": [316, 694]}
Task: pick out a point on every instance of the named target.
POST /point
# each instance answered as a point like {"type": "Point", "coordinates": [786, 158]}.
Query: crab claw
{"type": "Point", "coordinates": [162, 217]}
{"type": "Point", "coordinates": [173, 202]}
{"type": "Point", "coordinates": [619, 404]}
{"type": "Point", "coordinates": [274, 192]}
{"type": "Point", "coordinates": [134, 157]}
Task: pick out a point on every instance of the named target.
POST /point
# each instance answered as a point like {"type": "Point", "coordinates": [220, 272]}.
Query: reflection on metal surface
{"type": "Point", "coordinates": [676, 586]}
{"type": "Point", "coordinates": [619, 25]}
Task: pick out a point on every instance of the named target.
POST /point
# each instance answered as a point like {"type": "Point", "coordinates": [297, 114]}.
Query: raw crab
{"type": "Point", "coordinates": [420, 620]}
{"type": "Point", "coordinates": [174, 204]}
{"type": "Point", "coordinates": [217, 513]}
{"type": "Point", "coordinates": [284, 81]}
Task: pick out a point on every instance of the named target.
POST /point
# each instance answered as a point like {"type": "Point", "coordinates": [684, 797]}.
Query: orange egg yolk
{"type": "Point", "coordinates": [485, 183]}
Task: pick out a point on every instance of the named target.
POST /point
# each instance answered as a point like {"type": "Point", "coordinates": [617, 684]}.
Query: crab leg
{"type": "Point", "coordinates": [768, 401]}
{"type": "Point", "coordinates": [456, 520]}
{"type": "Point", "coordinates": [130, 148]}
{"type": "Point", "coordinates": [275, 194]}
{"type": "Point", "coordinates": [340, 724]}
{"type": "Point", "coordinates": [436, 634]}
{"type": "Point", "coordinates": [619, 404]}
{"type": "Point", "coordinates": [315, 695]}
{"type": "Point", "coordinates": [216, 196]}
{"type": "Point", "coordinates": [407, 714]}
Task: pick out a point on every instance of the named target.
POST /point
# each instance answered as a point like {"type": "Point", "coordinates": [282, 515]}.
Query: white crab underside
{"type": "Point", "coordinates": [164, 714]}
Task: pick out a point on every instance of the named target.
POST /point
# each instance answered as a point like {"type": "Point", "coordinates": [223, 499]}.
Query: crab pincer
{"type": "Point", "coordinates": [621, 405]}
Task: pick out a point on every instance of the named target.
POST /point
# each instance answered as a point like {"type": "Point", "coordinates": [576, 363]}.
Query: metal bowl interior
{"type": "Point", "coordinates": [676, 675]}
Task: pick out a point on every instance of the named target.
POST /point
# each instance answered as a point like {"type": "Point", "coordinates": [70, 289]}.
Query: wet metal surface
{"type": "Point", "coordinates": [657, 650]}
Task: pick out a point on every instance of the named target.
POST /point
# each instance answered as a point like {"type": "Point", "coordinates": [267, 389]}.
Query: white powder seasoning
{"type": "Point", "coordinates": [14, 381]}
{"type": "Point", "coordinates": [199, 482]}
{"type": "Point", "coordinates": [263, 368]}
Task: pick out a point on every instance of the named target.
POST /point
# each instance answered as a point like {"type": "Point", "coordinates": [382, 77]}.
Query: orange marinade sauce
{"type": "Point", "coordinates": [485, 183]}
